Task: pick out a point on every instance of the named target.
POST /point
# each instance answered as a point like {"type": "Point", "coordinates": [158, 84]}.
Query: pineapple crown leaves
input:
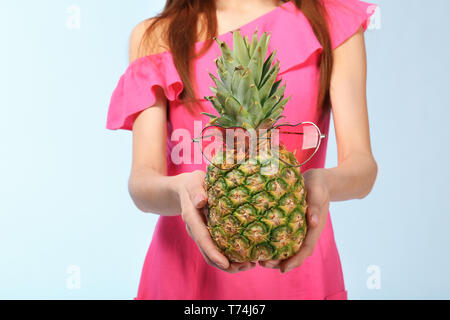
{"type": "Point", "coordinates": [246, 91]}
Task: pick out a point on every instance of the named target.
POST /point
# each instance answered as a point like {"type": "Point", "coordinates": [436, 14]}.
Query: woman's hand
{"type": "Point", "coordinates": [193, 199]}
{"type": "Point", "coordinates": [318, 200]}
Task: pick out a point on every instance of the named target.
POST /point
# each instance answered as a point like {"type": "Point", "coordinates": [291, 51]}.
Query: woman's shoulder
{"type": "Point", "coordinates": [147, 38]}
{"type": "Point", "coordinates": [150, 68]}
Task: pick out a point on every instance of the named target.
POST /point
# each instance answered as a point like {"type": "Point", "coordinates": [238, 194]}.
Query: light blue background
{"type": "Point", "coordinates": [63, 189]}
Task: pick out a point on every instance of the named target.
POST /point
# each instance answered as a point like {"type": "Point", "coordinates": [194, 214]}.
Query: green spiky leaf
{"type": "Point", "coordinates": [247, 92]}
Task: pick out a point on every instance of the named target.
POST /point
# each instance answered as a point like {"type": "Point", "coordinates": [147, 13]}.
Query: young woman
{"type": "Point", "coordinates": [320, 45]}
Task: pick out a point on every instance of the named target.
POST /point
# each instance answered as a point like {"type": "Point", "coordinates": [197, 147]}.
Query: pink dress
{"type": "Point", "coordinates": [174, 267]}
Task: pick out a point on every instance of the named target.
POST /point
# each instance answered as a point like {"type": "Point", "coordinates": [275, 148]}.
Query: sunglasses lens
{"type": "Point", "coordinates": [302, 140]}
{"type": "Point", "coordinates": [225, 148]}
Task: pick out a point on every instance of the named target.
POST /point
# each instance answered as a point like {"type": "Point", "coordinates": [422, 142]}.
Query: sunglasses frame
{"type": "Point", "coordinates": [321, 136]}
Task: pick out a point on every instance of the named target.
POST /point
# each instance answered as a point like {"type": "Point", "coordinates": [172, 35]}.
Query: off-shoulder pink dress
{"type": "Point", "coordinates": [174, 267]}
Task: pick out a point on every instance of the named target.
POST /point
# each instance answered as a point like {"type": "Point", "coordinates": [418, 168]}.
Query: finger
{"type": "Point", "coordinates": [295, 261]}
{"type": "Point", "coordinates": [208, 260]}
{"type": "Point", "coordinates": [317, 203]}
{"type": "Point", "coordinates": [233, 268]}
{"type": "Point", "coordinates": [306, 250]}
{"type": "Point", "coordinates": [313, 219]}
{"type": "Point", "coordinates": [271, 264]}
{"type": "Point", "coordinates": [202, 237]}
{"type": "Point", "coordinates": [198, 193]}
{"type": "Point", "coordinates": [314, 212]}
{"type": "Point", "coordinates": [204, 212]}
{"type": "Point", "coordinates": [198, 197]}
{"type": "Point", "coordinates": [246, 266]}
{"type": "Point", "coordinates": [240, 267]}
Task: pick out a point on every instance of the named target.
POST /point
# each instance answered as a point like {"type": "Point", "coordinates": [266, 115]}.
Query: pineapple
{"type": "Point", "coordinates": [254, 213]}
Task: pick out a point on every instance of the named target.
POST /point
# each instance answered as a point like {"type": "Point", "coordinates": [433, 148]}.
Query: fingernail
{"type": "Point", "coordinates": [198, 198]}
{"type": "Point", "coordinates": [315, 220]}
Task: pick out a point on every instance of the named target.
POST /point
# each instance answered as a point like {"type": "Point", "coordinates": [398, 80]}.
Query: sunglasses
{"type": "Point", "coordinates": [228, 147]}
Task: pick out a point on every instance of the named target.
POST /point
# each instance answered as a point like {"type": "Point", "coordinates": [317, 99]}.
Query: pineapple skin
{"type": "Point", "coordinates": [254, 214]}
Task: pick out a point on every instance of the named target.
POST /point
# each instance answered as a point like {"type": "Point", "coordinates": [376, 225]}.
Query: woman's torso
{"type": "Point", "coordinates": [174, 267]}
{"type": "Point", "coordinates": [299, 69]}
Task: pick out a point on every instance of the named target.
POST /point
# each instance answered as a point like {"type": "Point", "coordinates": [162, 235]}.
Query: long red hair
{"type": "Point", "coordinates": [180, 20]}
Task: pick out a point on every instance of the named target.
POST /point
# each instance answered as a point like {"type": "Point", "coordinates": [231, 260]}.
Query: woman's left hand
{"type": "Point", "coordinates": [318, 200]}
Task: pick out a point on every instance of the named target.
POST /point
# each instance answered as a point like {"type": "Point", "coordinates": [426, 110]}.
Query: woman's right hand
{"type": "Point", "coordinates": [193, 200]}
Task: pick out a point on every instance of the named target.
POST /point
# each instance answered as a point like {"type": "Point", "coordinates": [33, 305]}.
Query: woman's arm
{"type": "Point", "coordinates": [355, 174]}
{"type": "Point", "coordinates": [149, 187]}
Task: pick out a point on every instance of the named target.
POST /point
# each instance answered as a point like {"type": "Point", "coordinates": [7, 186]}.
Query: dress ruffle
{"type": "Point", "coordinates": [135, 91]}
{"type": "Point", "coordinates": [346, 17]}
